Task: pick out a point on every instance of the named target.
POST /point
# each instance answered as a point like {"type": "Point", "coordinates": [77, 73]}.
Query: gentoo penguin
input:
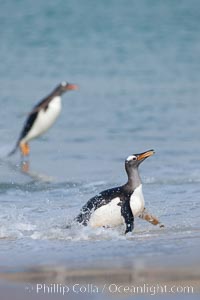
{"type": "Point", "coordinates": [42, 117]}
{"type": "Point", "coordinates": [120, 204]}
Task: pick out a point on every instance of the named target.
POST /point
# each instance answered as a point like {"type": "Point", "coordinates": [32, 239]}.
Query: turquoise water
{"type": "Point", "coordinates": [138, 67]}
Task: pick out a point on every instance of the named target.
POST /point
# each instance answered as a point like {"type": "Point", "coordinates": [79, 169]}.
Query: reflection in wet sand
{"type": "Point", "coordinates": [134, 275]}
{"type": "Point", "coordinates": [25, 169]}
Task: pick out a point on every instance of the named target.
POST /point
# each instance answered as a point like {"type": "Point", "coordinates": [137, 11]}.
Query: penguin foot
{"type": "Point", "coordinates": [151, 219]}
{"type": "Point", "coordinates": [145, 215]}
{"type": "Point", "coordinates": [25, 149]}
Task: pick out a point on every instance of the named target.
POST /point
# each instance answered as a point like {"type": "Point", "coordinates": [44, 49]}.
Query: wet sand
{"type": "Point", "coordinates": [58, 282]}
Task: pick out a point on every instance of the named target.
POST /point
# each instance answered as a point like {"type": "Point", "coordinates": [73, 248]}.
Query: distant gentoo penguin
{"type": "Point", "coordinates": [120, 204]}
{"type": "Point", "coordinates": [42, 117]}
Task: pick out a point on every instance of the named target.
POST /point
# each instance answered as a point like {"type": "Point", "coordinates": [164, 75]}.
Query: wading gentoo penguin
{"type": "Point", "coordinates": [120, 204]}
{"type": "Point", "coordinates": [42, 117]}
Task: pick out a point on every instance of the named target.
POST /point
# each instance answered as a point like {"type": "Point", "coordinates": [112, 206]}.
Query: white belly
{"type": "Point", "coordinates": [110, 214]}
{"type": "Point", "coordinates": [137, 201]}
{"type": "Point", "coordinates": [107, 215]}
{"type": "Point", "coordinates": [44, 120]}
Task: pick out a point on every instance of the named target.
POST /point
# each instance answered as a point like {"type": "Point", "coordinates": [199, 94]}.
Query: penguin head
{"type": "Point", "coordinates": [134, 160]}
{"type": "Point", "coordinates": [65, 86]}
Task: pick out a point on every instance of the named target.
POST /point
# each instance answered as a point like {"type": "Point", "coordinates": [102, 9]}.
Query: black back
{"type": "Point", "coordinates": [32, 117]}
{"type": "Point", "coordinates": [28, 124]}
{"type": "Point", "coordinates": [44, 103]}
{"type": "Point", "coordinates": [101, 199]}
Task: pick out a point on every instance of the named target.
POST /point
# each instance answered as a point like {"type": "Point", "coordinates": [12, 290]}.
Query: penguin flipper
{"type": "Point", "coordinates": [83, 217]}
{"type": "Point", "coordinates": [127, 215]}
{"type": "Point", "coordinates": [145, 215]}
{"type": "Point", "coordinates": [86, 211]}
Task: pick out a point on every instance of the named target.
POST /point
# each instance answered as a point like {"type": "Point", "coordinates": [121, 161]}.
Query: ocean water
{"type": "Point", "coordinates": [138, 67]}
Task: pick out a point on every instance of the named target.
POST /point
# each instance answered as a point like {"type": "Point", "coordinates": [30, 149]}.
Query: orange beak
{"type": "Point", "coordinates": [71, 87]}
{"type": "Point", "coordinates": [145, 154]}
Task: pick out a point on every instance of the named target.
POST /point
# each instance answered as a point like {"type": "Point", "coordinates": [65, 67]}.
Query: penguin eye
{"type": "Point", "coordinates": [131, 158]}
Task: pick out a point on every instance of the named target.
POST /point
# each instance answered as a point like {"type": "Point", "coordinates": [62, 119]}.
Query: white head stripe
{"type": "Point", "coordinates": [130, 157]}
{"type": "Point", "coordinates": [64, 83]}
